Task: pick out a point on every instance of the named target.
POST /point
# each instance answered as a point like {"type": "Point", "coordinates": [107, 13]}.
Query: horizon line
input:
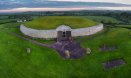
{"type": "Point", "coordinates": [25, 9]}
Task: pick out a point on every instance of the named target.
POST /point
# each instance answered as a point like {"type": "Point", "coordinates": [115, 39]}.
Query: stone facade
{"type": "Point", "coordinates": [53, 33]}
{"type": "Point", "coordinates": [87, 31]}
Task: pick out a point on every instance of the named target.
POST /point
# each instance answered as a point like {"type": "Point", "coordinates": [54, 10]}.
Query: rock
{"type": "Point", "coordinates": [107, 48]}
{"type": "Point", "coordinates": [113, 63]}
{"type": "Point", "coordinates": [67, 53]}
{"type": "Point", "coordinates": [28, 50]}
{"type": "Point", "coordinates": [88, 51]}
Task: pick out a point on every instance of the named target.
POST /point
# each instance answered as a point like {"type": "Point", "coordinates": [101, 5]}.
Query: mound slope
{"type": "Point", "coordinates": [52, 22]}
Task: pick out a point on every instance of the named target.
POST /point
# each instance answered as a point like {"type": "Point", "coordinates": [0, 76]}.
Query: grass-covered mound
{"type": "Point", "coordinates": [52, 22]}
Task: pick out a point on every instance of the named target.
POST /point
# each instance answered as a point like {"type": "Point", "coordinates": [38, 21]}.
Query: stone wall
{"type": "Point", "coordinates": [87, 31]}
{"type": "Point", "coordinates": [53, 33]}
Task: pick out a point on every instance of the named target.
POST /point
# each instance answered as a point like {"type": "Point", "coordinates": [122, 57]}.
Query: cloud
{"type": "Point", "coordinates": [46, 4]}
{"type": "Point", "coordinates": [65, 9]}
{"type": "Point", "coordinates": [112, 1]}
{"type": "Point", "coordinates": [41, 9]}
{"type": "Point", "coordinates": [52, 4]}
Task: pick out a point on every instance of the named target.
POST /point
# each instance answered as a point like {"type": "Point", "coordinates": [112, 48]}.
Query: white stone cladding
{"type": "Point", "coordinates": [87, 31]}
{"type": "Point", "coordinates": [53, 33]}
{"type": "Point", "coordinates": [38, 33]}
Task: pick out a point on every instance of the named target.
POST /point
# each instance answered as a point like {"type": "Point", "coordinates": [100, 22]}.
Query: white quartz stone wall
{"type": "Point", "coordinates": [87, 31]}
{"type": "Point", "coordinates": [38, 33]}
{"type": "Point", "coordinates": [53, 33]}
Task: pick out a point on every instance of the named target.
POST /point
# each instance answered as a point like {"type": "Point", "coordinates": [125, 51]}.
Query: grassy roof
{"type": "Point", "coordinates": [52, 22]}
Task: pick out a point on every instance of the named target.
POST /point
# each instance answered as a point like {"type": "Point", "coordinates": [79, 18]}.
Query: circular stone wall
{"type": "Point", "coordinates": [53, 33]}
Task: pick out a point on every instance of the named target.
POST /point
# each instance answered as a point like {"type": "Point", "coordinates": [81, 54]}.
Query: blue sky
{"type": "Point", "coordinates": [52, 5]}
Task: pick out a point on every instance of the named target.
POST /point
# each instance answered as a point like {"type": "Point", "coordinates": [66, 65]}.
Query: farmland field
{"type": "Point", "coordinates": [105, 19]}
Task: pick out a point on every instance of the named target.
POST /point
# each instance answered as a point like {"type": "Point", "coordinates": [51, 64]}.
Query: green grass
{"type": "Point", "coordinates": [2, 21]}
{"type": "Point", "coordinates": [52, 22]}
{"type": "Point", "coordinates": [3, 17]}
{"type": "Point", "coordinates": [129, 26]}
{"type": "Point", "coordinates": [105, 19]}
{"type": "Point", "coordinates": [46, 63]}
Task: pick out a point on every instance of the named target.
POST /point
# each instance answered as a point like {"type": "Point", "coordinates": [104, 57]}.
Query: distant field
{"type": "Point", "coordinates": [6, 21]}
{"type": "Point", "coordinates": [129, 26]}
{"type": "Point", "coordinates": [3, 17]}
{"type": "Point", "coordinates": [104, 19]}
{"type": "Point", "coordinates": [51, 22]}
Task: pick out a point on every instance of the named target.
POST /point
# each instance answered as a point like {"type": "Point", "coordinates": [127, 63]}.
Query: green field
{"type": "Point", "coordinates": [46, 63]}
{"type": "Point", "coordinates": [104, 19]}
{"type": "Point", "coordinates": [52, 22]}
{"type": "Point", "coordinates": [6, 21]}
{"type": "Point", "coordinates": [3, 17]}
{"type": "Point", "coordinates": [43, 62]}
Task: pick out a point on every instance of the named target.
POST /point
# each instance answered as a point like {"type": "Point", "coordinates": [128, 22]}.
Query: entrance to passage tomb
{"type": "Point", "coordinates": [63, 33]}
{"type": "Point", "coordinates": [66, 46]}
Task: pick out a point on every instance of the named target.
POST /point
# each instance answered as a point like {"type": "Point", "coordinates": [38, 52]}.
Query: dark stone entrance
{"type": "Point", "coordinates": [66, 46]}
{"type": "Point", "coordinates": [63, 35]}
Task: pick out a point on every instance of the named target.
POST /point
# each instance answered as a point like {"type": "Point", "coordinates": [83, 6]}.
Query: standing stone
{"type": "Point", "coordinates": [88, 51]}
{"type": "Point", "coordinates": [28, 50]}
{"type": "Point", "coordinates": [67, 53]}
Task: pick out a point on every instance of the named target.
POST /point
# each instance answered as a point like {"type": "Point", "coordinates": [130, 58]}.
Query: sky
{"type": "Point", "coordinates": [63, 5]}
{"type": "Point", "coordinates": [114, 1]}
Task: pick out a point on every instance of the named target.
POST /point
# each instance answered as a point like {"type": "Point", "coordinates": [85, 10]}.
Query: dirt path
{"type": "Point", "coordinates": [33, 41]}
